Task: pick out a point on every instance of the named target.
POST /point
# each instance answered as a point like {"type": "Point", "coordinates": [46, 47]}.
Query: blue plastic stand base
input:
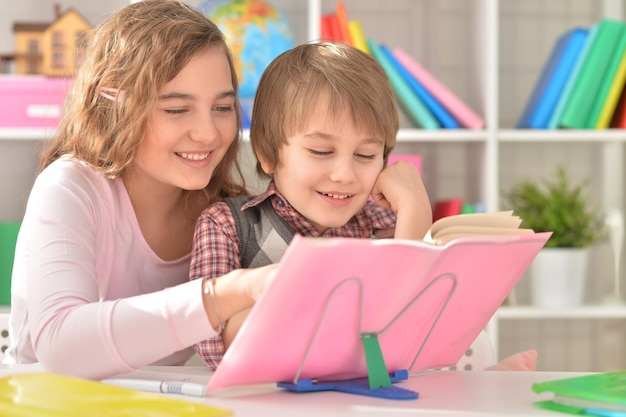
{"type": "Point", "coordinates": [360, 386]}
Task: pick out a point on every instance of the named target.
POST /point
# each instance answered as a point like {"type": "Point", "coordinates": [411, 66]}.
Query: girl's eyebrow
{"type": "Point", "coordinates": [190, 97]}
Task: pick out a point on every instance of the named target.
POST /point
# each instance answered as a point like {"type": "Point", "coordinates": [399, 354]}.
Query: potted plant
{"type": "Point", "coordinates": [557, 205]}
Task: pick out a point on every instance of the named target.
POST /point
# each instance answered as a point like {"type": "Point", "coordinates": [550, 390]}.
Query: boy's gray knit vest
{"type": "Point", "coordinates": [263, 234]}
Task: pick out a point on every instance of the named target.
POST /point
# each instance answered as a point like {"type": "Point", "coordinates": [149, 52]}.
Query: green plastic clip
{"type": "Point", "coordinates": [376, 368]}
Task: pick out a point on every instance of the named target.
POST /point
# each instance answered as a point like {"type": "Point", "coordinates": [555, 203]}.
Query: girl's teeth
{"type": "Point", "coordinates": [194, 156]}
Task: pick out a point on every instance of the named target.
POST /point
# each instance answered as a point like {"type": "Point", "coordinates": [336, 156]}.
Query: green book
{"type": "Point", "coordinates": [579, 104]}
{"type": "Point", "coordinates": [409, 102]}
{"type": "Point", "coordinates": [594, 394]}
{"type": "Point", "coordinates": [607, 81]}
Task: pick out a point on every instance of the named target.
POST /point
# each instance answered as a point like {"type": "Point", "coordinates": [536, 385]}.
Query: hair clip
{"type": "Point", "coordinates": [118, 95]}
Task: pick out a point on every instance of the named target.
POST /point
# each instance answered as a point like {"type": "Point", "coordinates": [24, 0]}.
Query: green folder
{"type": "Point", "coordinates": [8, 237]}
{"type": "Point", "coordinates": [593, 71]}
{"type": "Point", "coordinates": [593, 394]}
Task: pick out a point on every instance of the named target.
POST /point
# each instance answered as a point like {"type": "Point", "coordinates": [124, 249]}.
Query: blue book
{"type": "Point", "coordinates": [571, 80]}
{"type": "Point", "coordinates": [553, 78]}
{"type": "Point", "coordinates": [441, 114]}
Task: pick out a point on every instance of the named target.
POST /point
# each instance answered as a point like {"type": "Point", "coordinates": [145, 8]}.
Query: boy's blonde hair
{"type": "Point", "coordinates": [293, 83]}
{"type": "Point", "coordinates": [136, 51]}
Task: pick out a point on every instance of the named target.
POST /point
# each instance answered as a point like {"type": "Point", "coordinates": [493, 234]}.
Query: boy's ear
{"type": "Point", "coordinates": [266, 166]}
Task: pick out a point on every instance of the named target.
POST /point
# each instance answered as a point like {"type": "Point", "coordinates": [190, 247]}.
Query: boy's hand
{"type": "Point", "coordinates": [399, 187]}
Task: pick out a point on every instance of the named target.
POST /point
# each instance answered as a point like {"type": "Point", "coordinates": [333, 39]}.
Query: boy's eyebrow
{"type": "Point", "coordinates": [328, 136]}
{"type": "Point", "coordinates": [175, 95]}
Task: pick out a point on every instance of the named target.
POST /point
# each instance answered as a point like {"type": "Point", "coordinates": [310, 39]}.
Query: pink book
{"type": "Point", "coordinates": [426, 303]}
{"type": "Point", "coordinates": [459, 110]}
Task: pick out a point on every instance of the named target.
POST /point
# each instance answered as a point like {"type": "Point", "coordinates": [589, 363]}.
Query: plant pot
{"type": "Point", "coordinates": [558, 277]}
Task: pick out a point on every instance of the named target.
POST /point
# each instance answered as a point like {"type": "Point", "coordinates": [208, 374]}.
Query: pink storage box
{"type": "Point", "coordinates": [415, 159]}
{"type": "Point", "coordinates": [31, 101]}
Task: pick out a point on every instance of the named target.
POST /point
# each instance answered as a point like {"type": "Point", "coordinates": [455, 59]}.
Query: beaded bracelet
{"type": "Point", "coordinates": [209, 288]}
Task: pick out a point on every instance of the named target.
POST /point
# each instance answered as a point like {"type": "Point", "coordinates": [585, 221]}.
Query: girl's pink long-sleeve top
{"type": "Point", "coordinates": [89, 297]}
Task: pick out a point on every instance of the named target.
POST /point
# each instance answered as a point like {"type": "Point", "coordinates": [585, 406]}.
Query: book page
{"type": "Point", "coordinates": [452, 233]}
{"type": "Point", "coordinates": [502, 223]}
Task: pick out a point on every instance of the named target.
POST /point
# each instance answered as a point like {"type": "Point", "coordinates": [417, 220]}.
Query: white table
{"type": "Point", "coordinates": [441, 393]}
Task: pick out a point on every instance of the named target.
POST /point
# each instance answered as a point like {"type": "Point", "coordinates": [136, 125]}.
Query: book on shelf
{"type": "Point", "coordinates": [358, 36]}
{"type": "Point", "coordinates": [327, 27]}
{"type": "Point", "coordinates": [421, 304]}
{"type": "Point", "coordinates": [447, 207]}
{"type": "Point", "coordinates": [335, 29]}
{"type": "Point", "coordinates": [618, 119]}
{"type": "Point", "coordinates": [343, 22]}
{"type": "Point", "coordinates": [580, 102]}
{"type": "Point", "coordinates": [457, 108]}
{"type": "Point", "coordinates": [553, 78]}
{"type": "Point", "coordinates": [48, 394]}
{"type": "Point", "coordinates": [601, 394]}
{"type": "Point", "coordinates": [411, 104]}
{"type": "Point", "coordinates": [441, 114]}
{"type": "Point", "coordinates": [614, 91]}
{"type": "Point", "coordinates": [573, 77]}
{"type": "Point", "coordinates": [613, 82]}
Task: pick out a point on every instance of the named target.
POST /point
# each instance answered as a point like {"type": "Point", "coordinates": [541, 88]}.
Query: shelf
{"type": "Point", "coordinates": [423, 136]}
{"type": "Point", "coordinates": [560, 135]}
{"type": "Point", "coordinates": [26, 133]}
{"type": "Point", "coordinates": [583, 312]}
{"type": "Point", "coordinates": [441, 135]}
{"type": "Point", "coordinates": [420, 135]}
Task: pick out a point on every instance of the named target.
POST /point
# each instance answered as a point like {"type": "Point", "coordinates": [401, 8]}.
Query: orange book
{"type": "Point", "coordinates": [344, 26]}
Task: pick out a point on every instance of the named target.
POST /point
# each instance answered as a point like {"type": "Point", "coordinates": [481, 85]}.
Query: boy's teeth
{"type": "Point", "coordinates": [194, 156]}
{"type": "Point", "coordinates": [340, 197]}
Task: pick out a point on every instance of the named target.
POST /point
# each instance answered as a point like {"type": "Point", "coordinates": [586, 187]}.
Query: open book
{"type": "Point", "coordinates": [502, 223]}
{"type": "Point", "coordinates": [423, 304]}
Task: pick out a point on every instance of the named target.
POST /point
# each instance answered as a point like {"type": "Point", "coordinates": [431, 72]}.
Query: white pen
{"type": "Point", "coordinates": [166, 387]}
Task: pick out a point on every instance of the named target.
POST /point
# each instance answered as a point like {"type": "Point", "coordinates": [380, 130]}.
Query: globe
{"type": "Point", "coordinates": [256, 33]}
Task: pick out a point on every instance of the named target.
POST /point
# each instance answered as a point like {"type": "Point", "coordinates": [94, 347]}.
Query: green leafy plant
{"type": "Point", "coordinates": [558, 206]}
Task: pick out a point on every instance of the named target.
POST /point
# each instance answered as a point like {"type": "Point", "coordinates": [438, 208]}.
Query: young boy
{"type": "Point", "coordinates": [323, 124]}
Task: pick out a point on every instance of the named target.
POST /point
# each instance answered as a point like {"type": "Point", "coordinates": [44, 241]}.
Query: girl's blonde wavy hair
{"type": "Point", "coordinates": [138, 50]}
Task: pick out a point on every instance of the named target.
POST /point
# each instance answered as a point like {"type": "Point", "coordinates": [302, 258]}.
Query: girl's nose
{"type": "Point", "coordinates": [204, 129]}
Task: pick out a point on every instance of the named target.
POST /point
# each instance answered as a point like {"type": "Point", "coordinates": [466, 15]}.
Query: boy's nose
{"type": "Point", "coordinates": [343, 170]}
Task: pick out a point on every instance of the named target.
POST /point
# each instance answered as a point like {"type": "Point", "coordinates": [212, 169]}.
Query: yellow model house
{"type": "Point", "coordinates": [52, 49]}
